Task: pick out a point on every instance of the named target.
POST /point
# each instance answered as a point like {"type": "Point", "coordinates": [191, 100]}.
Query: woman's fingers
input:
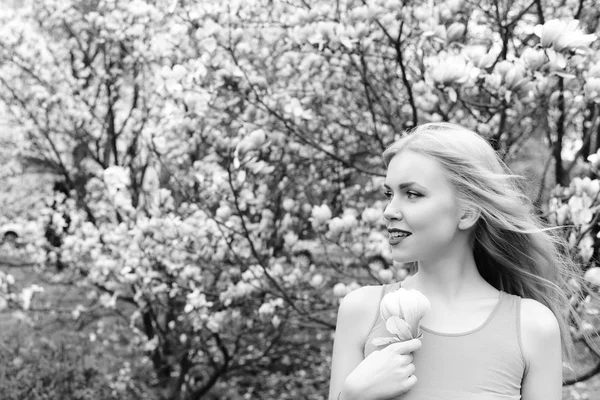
{"type": "Point", "coordinates": [410, 369]}
{"type": "Point", "coordinates": [405, 347]}
{"type": "Point", "coordinates": [409, 382]}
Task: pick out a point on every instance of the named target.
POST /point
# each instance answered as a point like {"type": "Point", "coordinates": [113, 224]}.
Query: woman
{"type": "Point", "coordinates": [492, 274]}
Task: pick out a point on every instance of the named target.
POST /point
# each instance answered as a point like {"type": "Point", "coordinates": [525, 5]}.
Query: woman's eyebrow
{"type": "Point", "coordinates": [402, 185]}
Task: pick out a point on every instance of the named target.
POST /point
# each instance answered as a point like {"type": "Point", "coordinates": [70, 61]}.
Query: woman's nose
{"type": "Point", "coordinates": [391, 213]}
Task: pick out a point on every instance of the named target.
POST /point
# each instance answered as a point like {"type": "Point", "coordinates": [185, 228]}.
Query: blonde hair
{"type": "Point", "coordinates": [515, 250]}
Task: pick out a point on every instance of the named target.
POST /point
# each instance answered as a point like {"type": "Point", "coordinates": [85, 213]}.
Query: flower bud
{"type": "Point", "coordinates": [320, 215]}
{"type": "Point", "coordinates": [421, 14]}
{"type": "Point", "coordinates": [385, 275]}
{"type": "Point", "coordinates": [410, 305]}
{"type": "Point", "coordinates": [487, 60]}
{"type": "Point", "coordinates": [371, 215]}
{"type": "Point", "coordinates": [586, 247]}
{"type": "Point", "coordinates": [336, 226]}
{"type": "Point", "coordinates": [455, 32]}
{"type": "Point", "coordinates": [316, 281]}
{"type": "Point", "coordinates": [339, 290]}
{"type": "Point", "coordinates": [592, 275]}
{"type": "Point", "coordinates": [515, 77]}
{"type": "Point", "coordinates": [288, 204]}
{"type": "Point", "coordinates": [591, 89]}
{"type": "Point", "coordinates": [533, 58]}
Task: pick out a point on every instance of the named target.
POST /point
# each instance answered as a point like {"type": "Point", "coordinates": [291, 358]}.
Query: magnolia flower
{"type": "Point", "coordinates": [592, 275]}
{"type": "Point", "coordinates": [288, 204]}
{"type": "Point", "coordinates": [320, 215]}
{"type": "Point", "coordinates": [116, 178]}
{"type": "Point", "coordinates": [316, 281]}
{"type": "Point", "coordinates": [533, 58]}
{"type": "Point", "coordinates": [290, 238]}
{"type": "Point", "coordinates": [224, 212]}
{"type": "Point", "coordinates": [455, 32]}
{"type": "Point", "coordinates": [402, 311]}
{"type": "Point", "coordinates": [336, 226]}
{"type": "Point", "coordinates": [586, 247]}
{"type": "Point", "coordinates": [385, 275]}
{"type": "Point", "coordinates": [339, 290]}
{"type": "Point", "coordinates": [591, 88]}
{"type": "Point", "coordinates": [371, 215]}
{"type": "Point", "coordinates": [579, 208]}
{"type": "Point", "coordinates": [252, 141]}
{"type": "Point", "coordinates": [585, 185]}
{"type": "Point", "coordinates": [449, 69]}
{"type": "Point", "coordinates": [474, 53]}
{"type": "Point", "coordinates": [562, 35]}
{"type": "Point", "coordinates": [594, 159]}
{"type": "Point", "coordinates": [515, 77]}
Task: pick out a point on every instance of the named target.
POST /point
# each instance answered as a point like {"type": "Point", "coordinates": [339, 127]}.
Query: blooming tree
{"type": "Point", "coordinates": [199, 142]}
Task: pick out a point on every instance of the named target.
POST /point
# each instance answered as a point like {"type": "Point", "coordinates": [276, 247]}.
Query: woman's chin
{"type": "Point", "coordinates": [402, 257]}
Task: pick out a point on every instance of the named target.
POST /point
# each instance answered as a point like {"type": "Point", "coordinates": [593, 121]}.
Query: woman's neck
{"type": "Point", "coordinates": [453, 278]}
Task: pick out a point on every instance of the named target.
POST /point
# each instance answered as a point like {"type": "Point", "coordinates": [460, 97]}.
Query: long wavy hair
{"type": "Point", "coordinates": [514, 249]}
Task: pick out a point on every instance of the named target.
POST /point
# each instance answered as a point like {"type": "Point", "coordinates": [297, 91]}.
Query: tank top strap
{"type": "Point", "coordinates": [506, 314]}
{"type": "Point", "coordinates": [507, 320]}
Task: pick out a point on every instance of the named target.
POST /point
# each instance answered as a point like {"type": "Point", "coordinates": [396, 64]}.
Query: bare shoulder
{"type": "Point", "coordinates": [537, 319]}
{"type": "Point", "coordinates": [359, 309]}
{"type": "Point", "coordinates": [356, 315]}
{"type": "Point", "coordinates": [540, 331]}
{"type": "Point", "coordinates": [361, 301]}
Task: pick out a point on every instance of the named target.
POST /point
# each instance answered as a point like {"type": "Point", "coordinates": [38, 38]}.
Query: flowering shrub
{"type": "Point", "coordinates": [199, 140]}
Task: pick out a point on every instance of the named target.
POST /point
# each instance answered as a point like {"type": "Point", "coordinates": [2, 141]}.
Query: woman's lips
{"type": "Point", "coordinates": [394, 240]}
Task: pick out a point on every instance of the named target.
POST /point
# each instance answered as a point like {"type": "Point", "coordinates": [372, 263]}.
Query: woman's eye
{"type": "Point", "coordinates": [413, 195]}
{"type": "Point", "coordinates": [388, 194]}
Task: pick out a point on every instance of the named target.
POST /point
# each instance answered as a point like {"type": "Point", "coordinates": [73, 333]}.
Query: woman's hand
{"type": "Point", "coordinates": [384, 374]}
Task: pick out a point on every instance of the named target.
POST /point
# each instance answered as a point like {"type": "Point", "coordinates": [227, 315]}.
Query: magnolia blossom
{"type": "Point", "coordinates": [288, 204]}
{"type": "Point", "coordinates": [317, 280]}
{"type": "Point", "coordinates": [586, 247]}
{"type": "Point", "coordinates": [371, 215]}
{"type": "Point", "coordinates": [349, 219]}
{"type": "Point", "coordinates": [585, 185]}
{"type": "Point", "coordinates": [562, 35]}
{"type": "Point", "coordinates": [224, 212]}
{"type": "Point", "coordinates": [336, 226]}
{"type": "Point", "coordinates": [449, 69]}
{"type": "Point", "coordinates": [196, 300]}
{"type": "Point", "coordinates": [250, 142]}
{"type": "Point", "coordinates": [320, 215]}
{"type": "Point", "coordinates": [579, 208]}
{"type": "Point", "coordinates": [594, 159]}
{"type": "Point", "coordinates": [533, 58]}
{"type": "Point", "coordinates": [591, 88]}
{"type": "Point", "coordinates": [385, 275]}
{"type": "Point", "coordinates": [290, 239]}
{"type": "Point", "coordinates": [116, 178]}
{"type": "Point", "coordinates": [27, 295]}
{"type": "Point", "coordinates": [455, 32]}
{"type": "Point", "coordinates": [515, 77]}
{"type": "Point", "coordinates": [592, 275]}
{"type": "Point", "coordinates": [474, 53]}
{"type": "Point", "coordinates": [402, 311]}
{"type": "Point", "coordinates": [341, 289]}
{"type": "Point", "coordinates": [558, 212]}
{"type": "Point", "coordinates": [267, 309]}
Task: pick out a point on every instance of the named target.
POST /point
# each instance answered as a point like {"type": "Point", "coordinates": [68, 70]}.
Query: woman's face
{"type": "Point", "coordinates": [422, 214]}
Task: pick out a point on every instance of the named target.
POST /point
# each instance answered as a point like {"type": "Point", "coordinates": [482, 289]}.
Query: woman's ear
{"type": "Point", "coordinates": [468, 219]}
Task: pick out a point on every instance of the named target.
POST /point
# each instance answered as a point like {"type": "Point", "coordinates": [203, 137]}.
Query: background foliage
{"type": "Point", "coordinates": [197, 144]}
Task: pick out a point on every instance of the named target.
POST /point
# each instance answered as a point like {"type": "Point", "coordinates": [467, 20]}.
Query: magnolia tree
{"type": "Point", "coordinates": [200, 142]}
